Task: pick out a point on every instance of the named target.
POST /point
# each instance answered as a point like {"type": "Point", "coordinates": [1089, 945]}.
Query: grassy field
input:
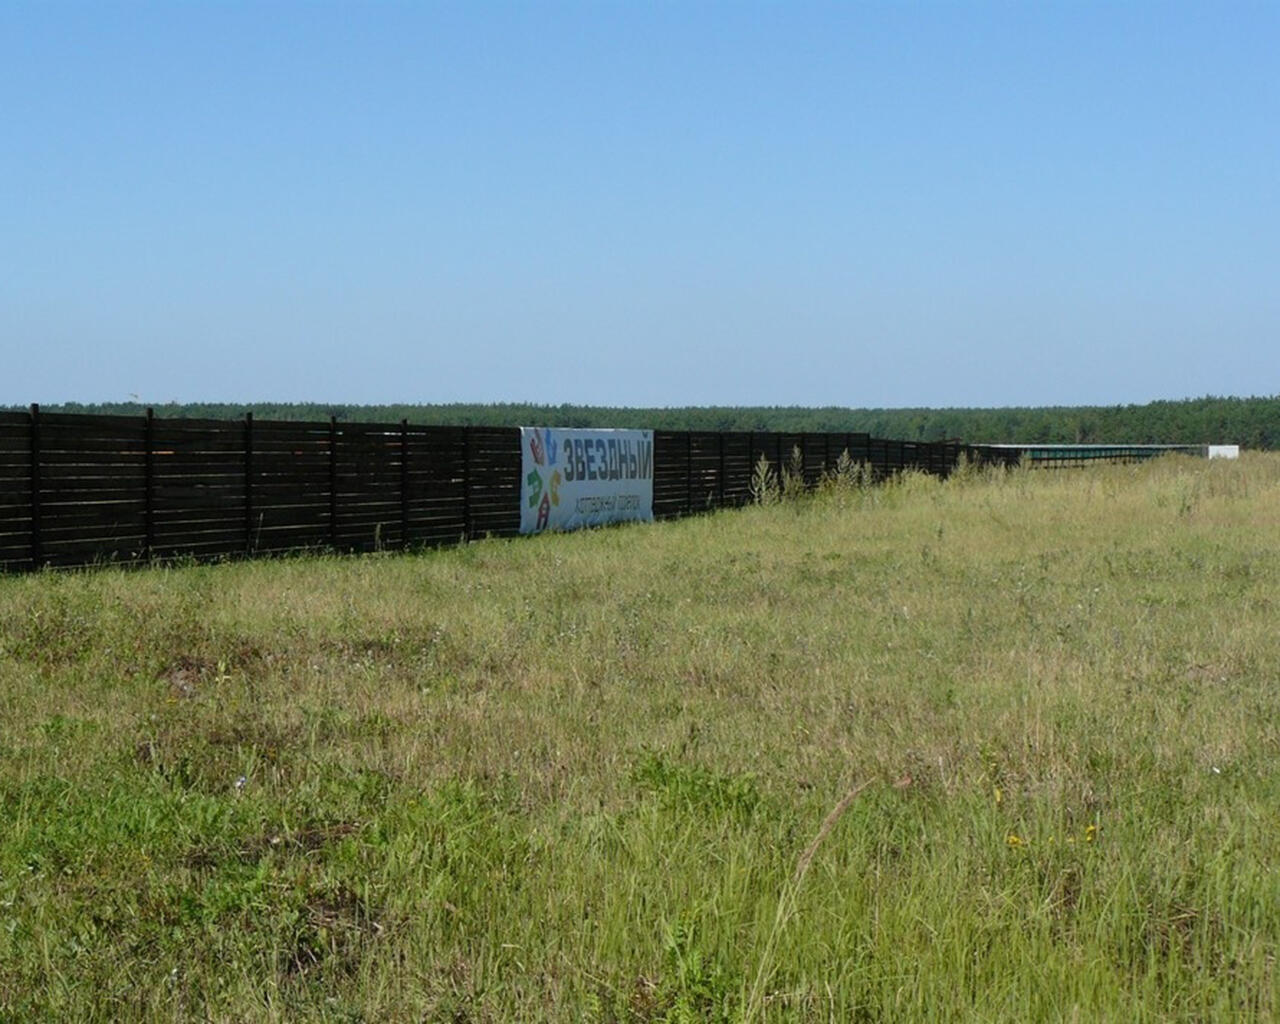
{"type": "Point", "coordinates": [607, 776]}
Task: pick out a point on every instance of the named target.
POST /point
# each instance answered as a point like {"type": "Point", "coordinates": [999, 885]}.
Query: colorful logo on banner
{"type": "Point", "coordinates": [543, 495]}
{"type": "Point", "coordinates": [573, 477]}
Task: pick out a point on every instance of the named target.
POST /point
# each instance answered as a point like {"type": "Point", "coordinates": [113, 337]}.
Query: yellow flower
{"type": "Point", "coordinates": [999, 796]}
{"type": "Point", "coordinates": [1091, 833]}
{"type": "Point", "coordinates": [1013, 839]}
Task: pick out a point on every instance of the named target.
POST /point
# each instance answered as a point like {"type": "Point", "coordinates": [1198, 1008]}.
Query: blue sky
{"type": "Point", "coordinates": [640, 204]}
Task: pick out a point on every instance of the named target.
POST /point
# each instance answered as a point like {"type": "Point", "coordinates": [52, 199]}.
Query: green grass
{"type": "Point", "coordinates": [574, 777]}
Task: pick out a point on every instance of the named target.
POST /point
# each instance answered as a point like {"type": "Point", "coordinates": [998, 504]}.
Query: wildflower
{"type": "Point", "coordinates": [999, 796]}
{"type": "Point", "coordinates": [1013, 839]}
{"type": "Point", "coordinates": [1091, 833]}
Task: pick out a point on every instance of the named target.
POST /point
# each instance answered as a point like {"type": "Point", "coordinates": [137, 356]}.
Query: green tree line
{"type": "Point", "coordinates": [1251, 422]}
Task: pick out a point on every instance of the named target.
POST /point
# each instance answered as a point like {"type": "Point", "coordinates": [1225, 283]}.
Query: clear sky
{"type": "Point", "coordinates": [639, 203]}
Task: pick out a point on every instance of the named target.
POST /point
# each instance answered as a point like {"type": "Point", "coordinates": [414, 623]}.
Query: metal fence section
{"type": "Point", "coordinates": [1077, 455]}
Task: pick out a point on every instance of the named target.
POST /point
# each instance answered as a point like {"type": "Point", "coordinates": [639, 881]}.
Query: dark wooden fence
{"type": "Point", "coordinates": [77, 490]}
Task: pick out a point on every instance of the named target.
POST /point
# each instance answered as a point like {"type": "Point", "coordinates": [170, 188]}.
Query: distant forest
{"type": "Point", "coordinates": [1251, 422]}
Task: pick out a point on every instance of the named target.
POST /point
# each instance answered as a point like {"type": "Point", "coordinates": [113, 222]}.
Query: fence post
{"type": "Point", "coordinates": [720, 477]}
{"type": "Point", "coordinates": [466, 483]}
{"type": "Point", "coordinates": [149, 485]}
{"type": "Point", "coordinates": [333, 482]}
{"type": "Point", "coordinates": [688, 471]}
{"type": "Point", "coordinates": [248, 483]}
{"type": "Point", "coordinates": [404, 483]}
{"type": "Point", "coordinates": [37, 546]}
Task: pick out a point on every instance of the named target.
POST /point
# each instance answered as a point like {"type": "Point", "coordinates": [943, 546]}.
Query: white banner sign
{"type": "Point", "coordinates": [575, 478]}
